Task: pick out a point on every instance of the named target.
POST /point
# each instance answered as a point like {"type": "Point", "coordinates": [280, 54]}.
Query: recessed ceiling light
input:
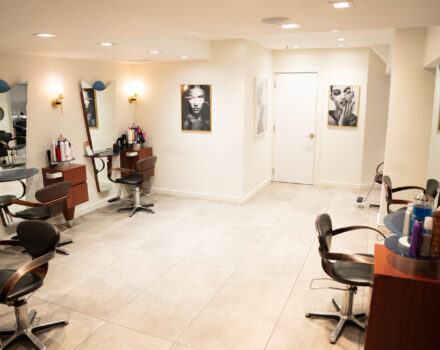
{"type": "Point", "coordinates": [45, 35]}
{"type": "Point", "coordinates": [335, 31]}
{"type": "Point", "coordinates": [290, 25]}
{"type": "Point", "coordinates": [184, 57]}
{"type": "Point", "coordinates": [154, 52]}
{"type": "Point", "coordinates": [341, 39]}
{"type": "Point", "coordinates": [341, 4]}
{"type": "Point", "coordinates": [106, 44]}
{"type": "Point", "coordinates": [295, 46]}
{"type": "Point", "coordinates": [275, 20]}
{"type": "Point", "coordinates": [341, 45]}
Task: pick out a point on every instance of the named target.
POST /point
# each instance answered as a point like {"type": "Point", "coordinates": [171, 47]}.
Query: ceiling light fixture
{"type": "Point", "coordinates": [341, 39]}
{"type": "Point", "coordinates": [154, 52]}
{"type": "Point", "coordinates": [290, 25]}
{"type": "Point", "coordinates": [295, 46]}
{"type": "Point", "coordinates": [335, 31]}
{"type": "Point", "coordinates": [106, 44]}
{"type": "Point", "coordinates": [341, 45]}
{"type": "Point", "coordinates": [341, 4]}
{"type": "Point", "coordinates": [184, 57]}
{"type": "Point", "coordinates": [45, 35]}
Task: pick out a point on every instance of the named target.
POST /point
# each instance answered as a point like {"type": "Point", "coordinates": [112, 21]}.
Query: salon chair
{"type": "Point", "coordinates": [353, 270]}
{"type": "Point", "coordinates": [39, 240]}
{"type": "Point", "coordinates": [6, 144]}
{"type": "Point", "coordinates": [142, 173]}
{"type": "Point", "coordinates": [51, 202]}
{"type": "Point", "coordinates": [4, 199]}
{"type": "Point", "coordinates": [431, 189]}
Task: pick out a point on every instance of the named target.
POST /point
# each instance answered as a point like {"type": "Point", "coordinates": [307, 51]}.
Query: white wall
{"type": "Point", "coordinates": [338, 154]}
{"type": "Point", "coordinates": [376, 117]}
{"type": "Point", "coordinates": [257, 149]}
{"type": "Point", "coordinates": [434, 149]}
{"type": "Point", "coordinates": [410, 112]}
{"type": "Point", "coordinates": [5, 103]}
{"type": "Point", "coordinates": [46, 123]}
{"type": "Point", "coordinates": [208, 165]}
{"type": "Point", "coordinates": [432, 47]}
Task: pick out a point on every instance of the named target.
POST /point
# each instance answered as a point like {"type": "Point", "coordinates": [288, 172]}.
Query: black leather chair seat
{"type": "Point", "coordinates": [35, 213]}
{"type": "Point", "coordinates": [132, 179]}
{"type": "Point", "coordinates": [5, 198]}
{"type": "Point", "coordinates": [25, 285]}
{"type": "Point", "coordinates": [353, 273]}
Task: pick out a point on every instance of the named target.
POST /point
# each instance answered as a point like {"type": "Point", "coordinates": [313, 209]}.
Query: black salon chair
{"type": "Point", "coordinates": [39, 240]}
{"type": "Point", "coordinates": [143, 169]}
{"type": "Point", "coordinates": [353, 270]}
{"type": "Point", "coordinates": [51, 202]}
{"type": "Point", "coordinates": [377, 180]}
{"type": "Point", "coordinates": [431, 189]}
{"type": "Point", "coordinates": [4, 198]}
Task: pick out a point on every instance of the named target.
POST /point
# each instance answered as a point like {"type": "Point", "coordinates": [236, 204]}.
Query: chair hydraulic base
{"type": "Point", "coordinates": [343, 314]}
{"type": "Point", "coordinates": [25, 328]}
{"type": "Point", "coordinates": [137, 206]}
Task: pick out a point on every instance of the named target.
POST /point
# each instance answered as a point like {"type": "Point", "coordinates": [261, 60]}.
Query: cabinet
{"type": "Point", "coordinates": [405, 303]}
{"type": "Point", "coordinates": [76, 174]}
{"type": "Point", "coordinates": [129, 157]}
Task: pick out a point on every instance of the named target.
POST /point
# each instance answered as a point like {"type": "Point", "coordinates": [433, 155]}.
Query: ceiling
{"type": "Point", "coordinates": [179, 27]}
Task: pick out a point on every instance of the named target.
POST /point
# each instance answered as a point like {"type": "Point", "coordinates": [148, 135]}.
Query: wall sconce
{"type": "Point", "coordinates": [133, 99]}
{"type": "Point", "coordinates": [57, 102]}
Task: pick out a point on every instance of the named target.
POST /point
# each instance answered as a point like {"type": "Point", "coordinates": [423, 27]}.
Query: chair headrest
{"type": "Point", "coordinates": [38, 237]}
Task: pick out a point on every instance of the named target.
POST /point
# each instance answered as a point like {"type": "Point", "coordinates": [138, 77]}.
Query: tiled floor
{"type": "Point", "coordinates": [200, 275]}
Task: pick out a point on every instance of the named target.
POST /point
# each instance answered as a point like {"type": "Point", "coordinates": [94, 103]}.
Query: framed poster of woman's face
{"type": "Point", "coordinates": [196, 107]}
{"type": "Point", "coordinates": [343, 105]}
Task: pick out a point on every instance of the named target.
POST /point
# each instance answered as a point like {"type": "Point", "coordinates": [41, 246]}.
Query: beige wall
{"type": "Point", "coordinates": [376, 117]}
{"type": "Point", "coordinates": [339, 152]}
{"type": "Point", "coordinates": [432, 47]}
{"type": "Point", "coordinates": [257, 149]}
{"type": "Point", "coordinates": [410, 112]}
{"type": "Point", "coordinates": [434, 149]}
{"type": "Point", "coordinates": [46, 123]}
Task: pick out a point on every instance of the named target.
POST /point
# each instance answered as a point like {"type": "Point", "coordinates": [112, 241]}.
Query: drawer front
{"type": "Point", "coordinates": [76, 176]}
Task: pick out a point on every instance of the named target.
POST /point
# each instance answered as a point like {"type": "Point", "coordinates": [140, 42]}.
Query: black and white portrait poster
{"type": "Point", "coordinates": [260, 119]}
{"type": "Point", "coordinates": [90, 107]}
{"type": "Point", "coordinates": [196, 107]}
{"type": "Point", "coordinates": [344, 105]}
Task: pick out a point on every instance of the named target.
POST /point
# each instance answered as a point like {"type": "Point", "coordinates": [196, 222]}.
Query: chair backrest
{"type": "Point", "coordinates": [53, 192]}
{"type": "Point", "coordinates": [323, 225]}
{"type": "Point", "coordinates": [388, 191]}
{"type": "Point", "coordinates": [5, 137]}
{"type": "Point", "coordinates": [432, 188]}
{"type": "Point", "coordinates": [145, 166]}
{"type": "Point", "coordinates": [38, 237]}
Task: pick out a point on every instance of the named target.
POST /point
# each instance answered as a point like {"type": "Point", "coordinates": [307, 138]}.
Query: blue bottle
{"type": "Point", "coordinates": [422, 208]}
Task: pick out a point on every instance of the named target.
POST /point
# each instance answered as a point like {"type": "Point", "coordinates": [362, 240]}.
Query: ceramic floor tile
{"type": "Point", "coordinates": [181, 347]}
{"type": "Point", "coordinates": [295, 331]}
{"type": "Point", "coordinates": [111, 337]}
{"type": "Point", "coordinates": [241, 316]}
{"type": "Point", "coordinates": [168, 307]}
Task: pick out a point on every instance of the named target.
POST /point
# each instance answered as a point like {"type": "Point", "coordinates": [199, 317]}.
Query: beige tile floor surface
{"type": "Point", "coordinates": [200, 275]}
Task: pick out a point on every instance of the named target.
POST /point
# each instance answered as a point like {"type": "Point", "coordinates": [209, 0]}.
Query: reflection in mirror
{"type": "Point", "coordinates": [434, 149]}
{"type": "Point", "coordinates": [13, 114]}
{"type": "Point", "coordinates": [99, 115]}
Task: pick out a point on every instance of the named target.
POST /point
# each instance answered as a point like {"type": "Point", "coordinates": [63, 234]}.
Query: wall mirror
{"type": "Point", "coordinates": [13, 115]}
{"type": "Point", "coordinates": [98, 103]}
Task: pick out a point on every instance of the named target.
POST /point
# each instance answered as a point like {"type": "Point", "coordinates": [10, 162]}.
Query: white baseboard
{"type": "Point", "coordinates": [209, 196]}
{"type": "Point", "coordinates": [344, 185]}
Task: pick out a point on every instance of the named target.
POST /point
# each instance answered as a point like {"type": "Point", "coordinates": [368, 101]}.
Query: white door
{"type": "Point", "coordinates": [295, 113]}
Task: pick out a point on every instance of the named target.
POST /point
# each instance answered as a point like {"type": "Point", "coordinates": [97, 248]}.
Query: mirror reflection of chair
{"type": "Point", "coordinates": [142, 173]}
{"type": "Point", "coordinates": [6, 219]}
{"type": "Point", "coordinates": [51, 202]}
{"type": "Point", "coordinates": [353, 270]}
{"type": "Point", "coordinates": [39, 240]}
{"type": "Point", "coordinates": [432, 187]}
{"type": "Point", "coordinates": [377, 180]}
{"type": "Point", "coordinates": [10, 150]}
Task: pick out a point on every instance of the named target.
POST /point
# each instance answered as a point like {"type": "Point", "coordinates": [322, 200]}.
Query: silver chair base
{"type": "Point", "coordinates": [26, 329]}
{"type": "Point", "coordinates": [137, 206]}
{"type": "Point", "coordinates": [343, 314]}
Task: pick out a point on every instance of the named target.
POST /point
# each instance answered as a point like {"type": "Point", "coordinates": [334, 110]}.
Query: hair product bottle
{"type": "Point", "coordinates": [426, 245]}
{"type": "Point", "coordinates": [416, 238]}
{"type": "Point", "coordinates": [435, 239]}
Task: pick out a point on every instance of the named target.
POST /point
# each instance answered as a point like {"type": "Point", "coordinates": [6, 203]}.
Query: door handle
{"type": "Point", "coordinates": [310, 136]}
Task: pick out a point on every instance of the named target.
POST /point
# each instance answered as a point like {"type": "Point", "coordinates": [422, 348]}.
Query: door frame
{"type": "Point", "coordinates": [318, 117]}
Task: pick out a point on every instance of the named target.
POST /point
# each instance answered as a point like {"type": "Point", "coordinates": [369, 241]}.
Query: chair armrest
{"type": "Point", "coordinates": [14, 242]}
{"type": "Point", "coordinates": [25, 203]}
{"type": "Point", "coordinates": [355, 258]}
{"type": "Point", "coordinates": [17, 137]}
{"type": "Point", "coordinates": [404, 188]}
{"type": "Point", "coordinates": [378, 167]}
{"type": "Point", "coordinates": [352, 228]}
{"type": "Point", "coordinates": [22, 271]}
